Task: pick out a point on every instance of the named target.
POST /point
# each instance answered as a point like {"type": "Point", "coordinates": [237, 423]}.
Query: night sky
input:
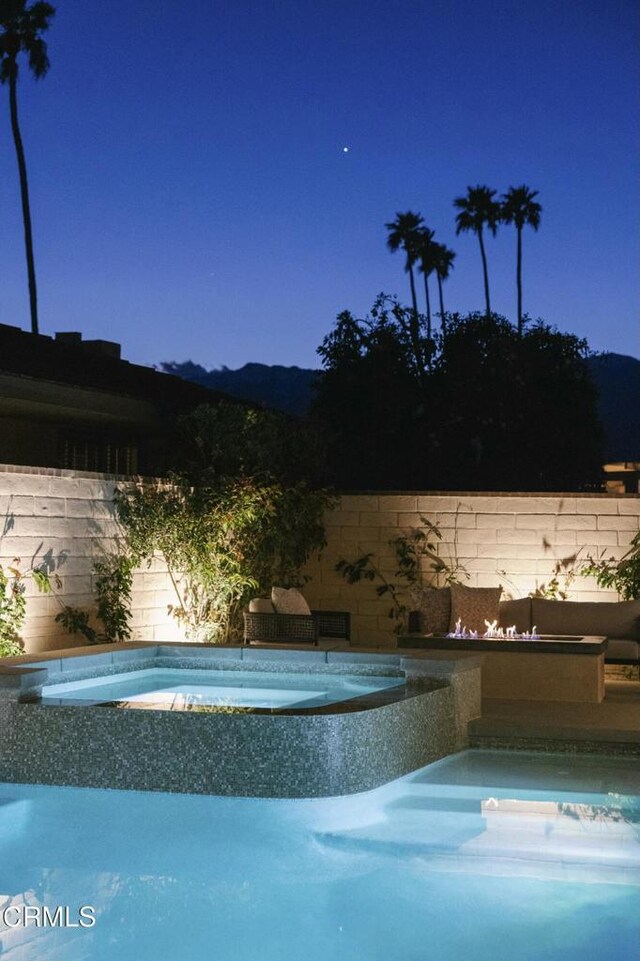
{"type": "Point", "coordinates": [192, 198]}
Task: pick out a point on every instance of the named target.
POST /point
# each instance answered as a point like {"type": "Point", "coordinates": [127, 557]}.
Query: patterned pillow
{"type": "Point", "coordinates": [473, 606]}
{"type": "Point", "coordinates": [289, 601]}
{"type": "Point", "coordinates": [433, 605]}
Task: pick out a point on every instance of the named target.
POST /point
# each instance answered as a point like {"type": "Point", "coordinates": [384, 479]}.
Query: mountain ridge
{"type": "Point", "coordinates": [617, 377]}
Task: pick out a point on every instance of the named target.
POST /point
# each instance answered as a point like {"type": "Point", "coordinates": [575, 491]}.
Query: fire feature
{"type": "Point", "coordinates": [493, 632]}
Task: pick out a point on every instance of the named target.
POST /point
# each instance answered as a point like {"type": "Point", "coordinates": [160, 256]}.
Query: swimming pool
{"type": "Point", "coordinates": [485, 856]}
{"type": "Point", "coordinates": [182, 689]}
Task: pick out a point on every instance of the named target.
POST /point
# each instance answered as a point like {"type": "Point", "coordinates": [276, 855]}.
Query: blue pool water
{"type": "Point", "coordinates": [480, 857]}
{"type": "Point", "coordinates": [180, 689]}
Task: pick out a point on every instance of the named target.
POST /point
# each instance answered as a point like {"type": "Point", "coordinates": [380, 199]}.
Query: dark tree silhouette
{"type": "Point", "coordinates": [519, 207]}
{"type": "Point", "coordinates": [478, 210]}
{"type": "Point", "coordinates": [21, 28]}
{"type": "Point", "coordinates": [444, 258]}
{"type": "Point", "coordinates": [404, 233]}
{"type": "Point", "coordinates": [494, 411]}
{"type": "Point", "coordinates": [368, 401]}
{"type": "Point", "coordinates": [514, 412]}
{"type": "Point", "coordinates": [425, 251]}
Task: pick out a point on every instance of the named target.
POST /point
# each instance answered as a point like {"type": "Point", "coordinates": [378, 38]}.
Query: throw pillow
{"type": "Point", "coordinates": [433, 605]}
{"type": "Point", "coordinates": [261, 605]}
{"type": "Point", "coordinates": [473, 606]}
{"type": "Point", "coordinates": [516, 612]}
{"type": "Point", "coordinates": [289, 601]}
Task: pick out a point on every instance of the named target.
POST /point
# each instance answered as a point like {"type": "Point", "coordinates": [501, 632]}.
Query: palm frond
{"type": "Point", "coordinates": [519, 207]}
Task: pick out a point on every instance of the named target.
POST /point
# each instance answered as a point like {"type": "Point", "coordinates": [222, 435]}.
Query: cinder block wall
{"type": "Point", "coordinates": [66, 519]}
{"type": "Point", "coordinates": [520, 535]}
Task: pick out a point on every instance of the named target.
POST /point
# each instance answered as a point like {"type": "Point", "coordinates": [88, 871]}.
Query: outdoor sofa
{"type": "Point", "coordinates": [618, 621]}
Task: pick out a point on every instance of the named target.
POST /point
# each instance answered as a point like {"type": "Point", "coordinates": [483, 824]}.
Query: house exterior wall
{"type": "Point", "coordinates": [508, 539]}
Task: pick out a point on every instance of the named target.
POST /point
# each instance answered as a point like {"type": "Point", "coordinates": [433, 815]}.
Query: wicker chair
{"type": "Point", "coordinates": [296, 628]}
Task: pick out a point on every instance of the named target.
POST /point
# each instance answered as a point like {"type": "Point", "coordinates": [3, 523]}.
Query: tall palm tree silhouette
{"type": "Point", "coordinates": [21, 28]}
{"type": "Point", "coordinates": [478, 209]}
{"type": "Point", "coordinates": [444, 258]}
{"type": "Point", "coordinates": [519, 207]}
{"type": "Point", "coordinates": [404, 234]}
{"type": "Point", "coordinates": [425, 250]}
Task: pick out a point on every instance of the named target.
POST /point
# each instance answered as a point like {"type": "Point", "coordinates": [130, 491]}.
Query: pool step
{"type": "Point", "coordinates": [583, 839]}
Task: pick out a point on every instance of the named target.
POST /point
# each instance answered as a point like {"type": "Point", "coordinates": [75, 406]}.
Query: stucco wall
{"type": "Point", "coordinates": [68, 516]}
{"type": "Point", "coordinates": [521, 535]}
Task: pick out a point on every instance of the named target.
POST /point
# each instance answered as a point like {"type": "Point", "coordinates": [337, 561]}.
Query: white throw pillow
{"type": "Point", "coordinates": [261, 605]}
{"type": "Point", "coordinates": [289, 601]}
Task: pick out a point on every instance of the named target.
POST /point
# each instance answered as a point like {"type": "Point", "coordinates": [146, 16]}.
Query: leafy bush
{"type": "Point", "coordinates": [13, 602]}
{"type": "Point", "coordinates": [113, 582]}
{"type": "Point", "coordinates": [417, 557]}
{"type": "Point", "coordinates": [222, 544]}
{"type": "Point", "coordinates": [623, 575]}
{"type": "Point", "coordinates": [239, 518]}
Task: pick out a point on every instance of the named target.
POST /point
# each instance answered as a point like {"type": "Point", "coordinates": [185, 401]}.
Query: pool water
{"type": "Point", "coordinates": [485, 856]}
{"type": "Point", "coordinates": [182, 689]}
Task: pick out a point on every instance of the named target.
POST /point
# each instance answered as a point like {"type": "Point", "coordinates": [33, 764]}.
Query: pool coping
{"type": "Point", "coordinates": [25, 676]}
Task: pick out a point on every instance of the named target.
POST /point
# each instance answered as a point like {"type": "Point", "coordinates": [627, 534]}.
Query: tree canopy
{"type": "Point", "coordinates": [495, 410]}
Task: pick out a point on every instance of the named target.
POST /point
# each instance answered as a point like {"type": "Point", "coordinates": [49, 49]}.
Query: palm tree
{"type": "Point", "coordinates": [520, 207]}
{"type": "Point", "coordinates": [21, 28]}
{"type": "Point", "coordinates": [444, 258]}
{"type": "Point", "coordinates": [404, 234]}
{"type": "Point", "coordinates": [477, 210]}
{"type": "Point", "coordinates": [425, 251]}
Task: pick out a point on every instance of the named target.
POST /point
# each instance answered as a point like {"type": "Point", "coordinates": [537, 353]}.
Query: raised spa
{"type": "Point", "coordinates": [231, 720]}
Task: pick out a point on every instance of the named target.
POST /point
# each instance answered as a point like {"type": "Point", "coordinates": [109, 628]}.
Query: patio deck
{"type": "Point", "coordinates": [610, 726]}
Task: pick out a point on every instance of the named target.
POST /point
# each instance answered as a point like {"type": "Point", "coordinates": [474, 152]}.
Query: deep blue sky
{"type": "Point", "coordinates": [191, 197]}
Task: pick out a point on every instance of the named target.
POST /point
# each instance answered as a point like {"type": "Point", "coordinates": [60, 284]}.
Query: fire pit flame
{"type": "Point", "coordinates": [493, 632]}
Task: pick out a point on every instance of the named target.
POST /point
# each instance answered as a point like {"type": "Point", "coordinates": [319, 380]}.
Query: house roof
{"type": "Point", "coordinates": [67, 359]}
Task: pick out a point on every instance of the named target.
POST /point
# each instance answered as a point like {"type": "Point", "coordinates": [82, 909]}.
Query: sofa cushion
{"type": "Point", "coordinates": [433, 606]}
{"type": "Point", "coordinates": [289, 601]}
{"type": "Point", "coordinates": [620, 619]}
{"type": "Point", "coordinates": [516, 612]}
{"type": "Point", "coordinates": [261, 605]}
{"type": "Point", "coordinates": [619, 649]}
{"type": "Point", "coordinates": [473, 606]}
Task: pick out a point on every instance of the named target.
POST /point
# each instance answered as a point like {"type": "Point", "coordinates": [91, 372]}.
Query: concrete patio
{"type": "Point", "coordinates": [613, 726]}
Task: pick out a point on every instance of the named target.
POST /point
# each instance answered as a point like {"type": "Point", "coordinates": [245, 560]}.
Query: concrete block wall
{"type": "Point", "coordinates": [66, 519]}
{"type": "Point", "coordinates": [509, 539]}
{"type": "Point", "coordinates": [513, 540]}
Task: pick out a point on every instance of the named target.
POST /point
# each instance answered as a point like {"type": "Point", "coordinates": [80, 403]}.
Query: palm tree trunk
{"type": "Point", "coordinates": [443, 320]}
{"type": "Point", "coordinates": [414, 299]}
{"type": "Point", "coordinates": [26, 212]}
{"type": "Point", "coordinates": [428, 302]}
{"type": "Point", "coordinates": [415, 326]}
{"type": "Point", "coordinates": [519, 281]}
{"type": "Point", "coordinates": [485, 272]}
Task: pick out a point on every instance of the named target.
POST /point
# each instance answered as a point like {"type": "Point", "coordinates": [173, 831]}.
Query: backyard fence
{"type": "Point", "coordinates": [65, 519]}
{"type": "Point", "coordinates": [512, 540]}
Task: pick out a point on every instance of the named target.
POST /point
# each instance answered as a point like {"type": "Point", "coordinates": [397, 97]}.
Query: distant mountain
{"type": "Point", "coordinates": [286, 388]}
{"type": "Point", "coordinates": [289, 388]}
{"type": "Point", "coordinates": [618, 380]}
